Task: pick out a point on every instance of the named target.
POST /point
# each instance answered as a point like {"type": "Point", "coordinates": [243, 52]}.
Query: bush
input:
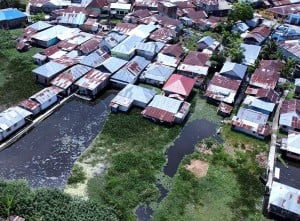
{"type": "Point", "coordinates": [77, 175]}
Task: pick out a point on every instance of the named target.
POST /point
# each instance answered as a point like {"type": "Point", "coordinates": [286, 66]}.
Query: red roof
{"type": "Point", "coordinates": [156, 113]}
{"type": "Point", "coordinates": [174, 50]}
{"type": "Point", "coordinates": [179, 84]}
{"type": "Point", "coordinates": [264, 79]}
{"type": "Point", "coordinates": [29, 104]}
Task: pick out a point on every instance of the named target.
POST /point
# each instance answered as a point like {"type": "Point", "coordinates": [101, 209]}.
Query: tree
{"type": "Point", "coordinates": [236, 54]}
{"type": "Point", "coordinates": [289, 67]}
{"type": "Point", "coordinates": [241, 11]}
{"type": "Point", "coordinates": [217, 60]}
{"type": "Point", "coordinates": [270, 51]}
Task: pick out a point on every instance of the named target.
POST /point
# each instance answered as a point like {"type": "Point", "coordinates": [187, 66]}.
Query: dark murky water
{"type": "Point", "coordinates": [45, 156]}
{"type": "Point", "coordinates": [192, 133]}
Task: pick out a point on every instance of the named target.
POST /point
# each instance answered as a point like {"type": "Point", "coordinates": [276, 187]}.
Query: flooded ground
{"type": "Point", "coordinates": [45, 156]}
{"type": "Point", "coordinates": [191, 133]}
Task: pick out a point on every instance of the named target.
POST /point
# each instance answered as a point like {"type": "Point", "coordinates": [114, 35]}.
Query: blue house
{"type": "Point", "coordinates": [11, 18]}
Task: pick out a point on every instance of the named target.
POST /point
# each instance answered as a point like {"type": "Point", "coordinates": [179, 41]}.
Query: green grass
{"type": "Point", "coordinates": [134, 148]}
{"type": "Point", "coordinates": [228, 192]}
{"type": "Point", "coordinates": [16, 77]}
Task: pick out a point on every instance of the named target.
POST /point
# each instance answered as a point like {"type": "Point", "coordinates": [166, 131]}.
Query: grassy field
{"type": "Point", "coordinates": [16, 79]}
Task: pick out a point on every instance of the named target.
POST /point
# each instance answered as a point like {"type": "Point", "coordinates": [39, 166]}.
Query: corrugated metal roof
{"type": "Point", "coordinates": [72, 18]}
{"type": "Point", "coordinates": [40, 25]}
{"type": "Point", "coordinates": [258, 103]}
{"type": "Point", "coordinates": [29, 104]}
{"type": "Point", "coordinates": [285, 197]}
{"type": "Point", "coordinates": [167, 60]}
{"type": "Point", "coordinates": [157, 72]}
{"type": "Point", "coordinates": [165, 103]}
{"type": "Point", "coordinates": [163, 35]}
{"type": "Point", "coordinates": [92, 79]}
{"type": "Point", "coordinates": [51, 33]}
{"type": "Point", "coordinates": [49, 69]}
{"type": "Point", "coordinates": [264, 79]}
{"type": "Point", "coordinates": [68, 77]}
{"type": "Point", "coordinates": [179, 84]}
{"type": "Point", "coordinates": [143, 31]}
{"type": "Point", "coordinates": [197, 59]}
{"type": "Point", "coordinates": [162, 115]}
{"type": "Point", "coordinates": [95, 59]}
{"type": "Point", "coordinates": [113, 64]}
{"type": "Point", "coordinates": [12, 116]}
{"type": "Point", "coordinates": [46, 94]}
{"type": "Point", "coordinates": [290, 113]}
{"type": "Point", "coordinates": [11, 14]}
{"type": "Point", "coordinates": [293, 142]}
{"type": "Point", "coordinates": [137, 93]}
{"type": "Point", "coordinates": [234, 69]}
{"type": "Point", "coordinates": [90, 45]}
{"type": "Point", "coordinates": [131, 70]}
{"type": "Point", "coordinates": [251, 53]}
{"type": "Point", "coordinates": [120, 6]}
{"type": "Point", "coordinates": [128, 45]}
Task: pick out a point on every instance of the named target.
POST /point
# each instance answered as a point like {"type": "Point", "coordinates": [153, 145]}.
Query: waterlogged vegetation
{"type": "Point", "coordinates": [16, 78]}
{"type": "Point", "coordinates": [230, 190]}
{"type": "Point", "coordinates": [16, 198]}
{"type": "Point", "coordinates": [134, 148]}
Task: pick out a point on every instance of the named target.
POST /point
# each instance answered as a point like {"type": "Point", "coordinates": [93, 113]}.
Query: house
{"type": "Point", "coordinates": [75, 41]}
{"type": "Point", "coordinates": [133, 17]}
{"type": "Point", "coordinates": [50, 36]}
{"type": "Point", "coordinates": [193, 14]}
{"type": "Point", "coordinates": [112, 65]}
{"type": "Point", "coordinates": [260, 105]}
{"type": "Point", "coordinates": [251, 53]}
{"type": "Point", "coordinates": [166, 110]}
{"type": "Point", "coordinates": [173, 50]}
{"type": "Point", "coordinates": [208, 5]}
{"type": "Point", "coordinates": [149, 49]}
{"type": "Point", "coordinates": [45, 73]}
{"type": "Point", "coordinates": [151, 5]}
{"type": "Point", "coordinates": [297, 85]}
{"type": "Point", "coordinates": [66, 79]}
{"type": "Point", "coordinates": [167, 9]}
{"type": "Point", "coordinates": [47, 97]}
{"type": "Point", "coordinates": [284, 201]}
{"type": "Point", "coordinates": [284, 11]}
{"type": "Point", "coordinates": [290, 48]}
{"type": "Point", "coordinates": [34, 28]}
{"type": "Point", "coordinates": [126, 49]}
{"type": "Point", "coordinates": [290, 115]}
{"type": "Point", "coordinates": [164, 35]}
{"type": "Point", "coordinates": [111, 40]}
{"type": "Point", "coordinates": [291, 145]}
{"type": "Point", "coordinates": [143, 30]}
{"type": "Point", "coordinates": [156, 74]}
{"type": "Point", "coordinates": [264, 79]}
{"type": "Point", "coordinates": [167, 60]}
{"type": "Point", "coordinates": [119, 10]}
{"type": "Point", "coordinates": [130, 73]}
{"type": "Point", "coordinates": [233, 70]}
{"type": "Point", "coordinates": [92, 83]}
{"type": "Point", "coordinates": [89, 46]}
{"type": "Point", "coordinates": [179, 85]}
{"type": "Point", "coordinates": [195, 64]}
{"type": "Point", "coordinates": [95, 59]}
{"type": "Point", "coordinates": [258, 35]}
{"type": "Point", "coordinates": [90, 25]}
{"type": "Point", "coordinates": [163, 21]}
{"type": "Point", "coordinates": [251, 122]}
{"type": "Point", "coordinates": [72, 19]}
{"type": "Point", "coordinates": [30, 105]}
{"type": "Point", "coordinates": [11, 120]}
{"type": "Point", "coordinates": [286, 32]}
{"type": "Point", "coordinates": [124, 28]}
{"type": "Point", "coordinates": [36, 6]}
{"type": "Point", "coordinates": [99, 6]}
{"type": "Point", "coordinates": [131, 95]}
{"type": "Point", "coordinates": [208, 43]}
{"type": "Point", "coordinates": [12, 18]}
{"type": "Point", "coordinates": [222, 89]}
{"type": "Point", "coordinates": [240, 27]}
{"type": "Point", "coordinates": [51, 5]}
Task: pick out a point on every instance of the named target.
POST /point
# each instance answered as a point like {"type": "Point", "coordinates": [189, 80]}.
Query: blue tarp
{"type": "Point", "coordinates": [10, 14]}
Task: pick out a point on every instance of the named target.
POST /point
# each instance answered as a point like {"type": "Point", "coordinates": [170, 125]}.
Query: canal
{"type": "Point", "coordinates": [45, 156]}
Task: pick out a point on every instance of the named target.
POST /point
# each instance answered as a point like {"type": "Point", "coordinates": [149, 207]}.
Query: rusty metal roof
{"type": "Point", "coordinates": [275, 65]}
{"type": "Point", "coordinates": [285, 10]}
{"type": "Point", "coordinates": [29, 104]}
{"type": "Point", "coordinates": [47, 93]}
{"type": "Point", "coordinates": [175, 50]}
{"type": "Point", "coordinates": [124, 28]}
{"type": "Point", "coordinates": [264, 79]}
{"type": "Point", "coordinates": [197, 58]}
{"type": "Point", "coordinates": [92, 79]}
{"type": "Point", "coordinates": [159, 114]}
{"type": "Point", "coordinates": [164, 35]}
{"type": "Point", "coordinates": [269, 95]}
{"type": "Point", "coordinates": [68, 77]}
{"type": "Point", "coordinates": [225, 108]}
{"type": "Point", "coordinates": [90, 45]}
{"type": "Point", "coordinates": [95, 59]}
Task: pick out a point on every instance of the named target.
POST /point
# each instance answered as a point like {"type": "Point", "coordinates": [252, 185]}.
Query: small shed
{"type": "Point", "coordinates": [92, 83]}
{"type": "Point", "coordinates": [224, 109]}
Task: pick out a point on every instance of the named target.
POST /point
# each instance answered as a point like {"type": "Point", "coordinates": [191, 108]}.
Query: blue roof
{"type": "Point", "coordinates": [10, 14]}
